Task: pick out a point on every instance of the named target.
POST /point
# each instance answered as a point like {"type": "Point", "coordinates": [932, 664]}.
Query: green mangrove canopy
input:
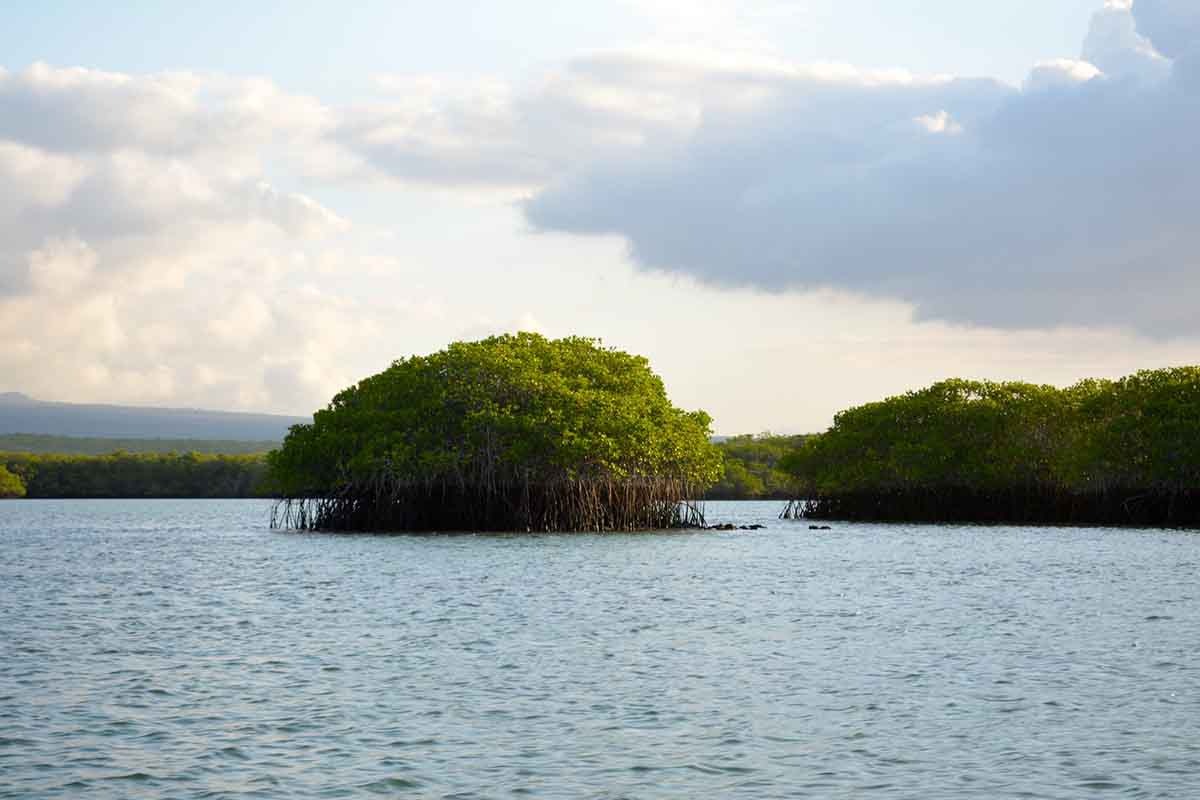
{"type": "Point", "coordinates": [1111, 452]}
{"type": "Point", "coordinates": [514, 432]}
{"type": "Point", "coordinates": [10, 484]}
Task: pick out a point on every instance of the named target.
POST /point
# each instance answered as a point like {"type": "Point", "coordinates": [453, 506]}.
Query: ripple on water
{"type": "Point", "coordinates": [181, 650]}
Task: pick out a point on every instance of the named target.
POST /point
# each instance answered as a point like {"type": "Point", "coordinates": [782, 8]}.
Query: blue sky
{"type": "Point", "coordinates": [790, 207]}
{"type": "Point", "coordinates": [327, 45]}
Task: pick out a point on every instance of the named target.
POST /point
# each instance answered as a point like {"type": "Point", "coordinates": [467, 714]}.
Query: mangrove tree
{"type": "Point", "coordinates": [1100, 452]}
{"type": "Point", "coordinates": [515, 432]}
{"type": "Point", "coordinates": [11, 486]}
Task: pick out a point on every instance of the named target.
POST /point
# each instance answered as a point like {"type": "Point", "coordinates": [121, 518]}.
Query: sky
{"type": "Point", "coordinates": [789, 207]}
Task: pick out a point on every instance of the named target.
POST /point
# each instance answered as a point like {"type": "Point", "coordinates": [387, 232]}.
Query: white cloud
{"type": "Point", "coordinates": [1114, 45]}
{"type": "Point", "coordinates": [596, 109]}
{"type": "Point", "coordinates": [44, 179]}
{"type": "Point", "coordinates": [61, 266]}
{"type": "Point", "coordinates": [169, 114]}
{"type": "Point", "coordinates": [941, 122]}
{"type": "Point", "coordinates": [1173, 26]}
{"type": "Point", "coordinates": [244, 320]}
{"type": "Point", "coordinates": [296, 214]}
{"type": "Point", "coordinates": [139, 235]}
{"type": "Point", "coordinates": [1065, 203]}
{"type": "Point", "coordinates": [1061, 73]}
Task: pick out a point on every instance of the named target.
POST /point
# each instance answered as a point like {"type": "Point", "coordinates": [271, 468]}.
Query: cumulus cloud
{"type": "Point", "coordinates": [1068, 201]}
{"type": "Point", "coordinates": [596, 108]}
{"type": "Point", "coordinates": [175, 113]}
{"type": "Point", "coordinates": [1061, 73]}
{"type": "Point", "coordinates": [81, 329]}
{"type": "Point", "coordinates": [145, 255]}
{"type": "Point", "coordinates": [46, 178]}
{"type": "Point", "coordinates": [296, 214]}
{"type": "Point", "coordinates": [1173, 26]}
{"type": "Point", "coordinates": [941, 122]}
{"type": "Point", "coordinates": [974, 201]}
{"type": "Point", "coordinates": [106, 154]}
{"type": "Point", "coordinates": [61, 266]}
{"type": "Point", "coordinates": [1114, 45]}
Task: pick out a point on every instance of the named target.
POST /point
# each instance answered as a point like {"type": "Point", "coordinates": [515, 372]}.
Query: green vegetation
{"type": "Point", "coordinates": [93, 446]}
{"type": "Point", "coordinates": [525, 433]}
{"type": "Point", "coordinates": [136, 475]}
{"type": "Point", "coordinates": [752, 468]}
{"type": "Point", "coordinates": [1104, 452]}
{"type": "Point", "coordinates": [10, 485]}
{"type": "Point", "coordinates": [509, 433]}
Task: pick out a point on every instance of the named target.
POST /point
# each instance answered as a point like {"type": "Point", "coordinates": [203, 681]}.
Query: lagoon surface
{"type": "Point", "coordinates": [180, 649]}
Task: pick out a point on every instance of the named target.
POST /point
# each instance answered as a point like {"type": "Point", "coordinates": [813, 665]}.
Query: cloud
{"type": "Point", "coordinates": [1114, 45]}
{"type": "Point", "coordinates": [1068, 201]}
{"type": "Point", "coordinates": [145, 255]}
{"type": "Point", "coordinates": [596, 108]}
{"type": "Point", "coordinates": [83, 329]}
{"type": "Point", "coordinates": [1172, 25]}
{"type": "Point", "coordinates": [61, 266]}
{"type": "Point", "coordinates": [46, 179]}
{"type": "Point", "coordinates": [163, 237]}
{"type": "Point", "coordinates": [941, 122]}
{"type": "Point", "coordinates": [296, 214]}
{"type": "Point", "coordinates": [80, 110]}
{"type": "Point", "coordinates": [1061, 73]}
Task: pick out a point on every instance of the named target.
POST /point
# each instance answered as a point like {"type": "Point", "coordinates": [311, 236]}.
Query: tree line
{"type": "Point", "coordinates": [1100, 452]}
{"type": "Point", "coordinates": [133, 475]}
{"type": "Point", "coordinates": [1121, 451]}
{"type": "Point", "coordinates": [752, 468]}
{"type": "Point", "coordinates": [99, 446]}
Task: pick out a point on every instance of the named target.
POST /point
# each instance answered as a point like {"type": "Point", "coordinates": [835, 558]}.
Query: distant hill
{"type": "Point", "coordinates": [41, 444]}
{"type": "Point", "coordinates": [20, 414]}
{"type": "Point", "coordinates": [15, 398]}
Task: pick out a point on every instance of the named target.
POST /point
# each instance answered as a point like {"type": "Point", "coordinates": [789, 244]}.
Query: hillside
{"type": "Point", "coordinates": [20, 414]}
{"type": "Point", "coordinates": [95, 446]}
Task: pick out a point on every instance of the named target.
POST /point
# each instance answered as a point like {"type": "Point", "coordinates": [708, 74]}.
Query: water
{"type": "Point", "coordinates": [167, 649]}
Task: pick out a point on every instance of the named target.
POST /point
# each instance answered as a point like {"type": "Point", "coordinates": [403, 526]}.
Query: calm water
{"type": "Point", "coordinates": [181, 650]}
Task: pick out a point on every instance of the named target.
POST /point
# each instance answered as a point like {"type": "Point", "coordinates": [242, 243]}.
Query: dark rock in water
{"type": "Point", "coordinates": [819, 528]}
{"type": "Point", "coordinates": [729, 526]}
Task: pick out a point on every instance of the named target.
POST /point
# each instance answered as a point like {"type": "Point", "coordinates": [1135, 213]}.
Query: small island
{"type": "Point", "coordinates": [511, 433]}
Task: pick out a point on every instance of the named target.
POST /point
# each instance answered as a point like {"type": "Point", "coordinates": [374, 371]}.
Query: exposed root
{"type": "Point", "coordinates": [578, 505]}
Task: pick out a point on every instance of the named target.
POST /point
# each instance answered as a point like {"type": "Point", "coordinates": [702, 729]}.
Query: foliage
{"type": "Point", "coordinates": [512, 431]}
{"type": "Point", "coordinates": [93, 446]}
{"type": "Point", "coordinates": [954, 433]}
{"type": "Point", "coordinates": [1098, 451]}
{"type": "Point", "coordinates": [1142, 431]}
{"type": "Point", "coordinates": [138, 475]}
{"type": "Point", "coordinates": [10, 484]}
{"type": "Point", "coordinates": [752, 468]}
